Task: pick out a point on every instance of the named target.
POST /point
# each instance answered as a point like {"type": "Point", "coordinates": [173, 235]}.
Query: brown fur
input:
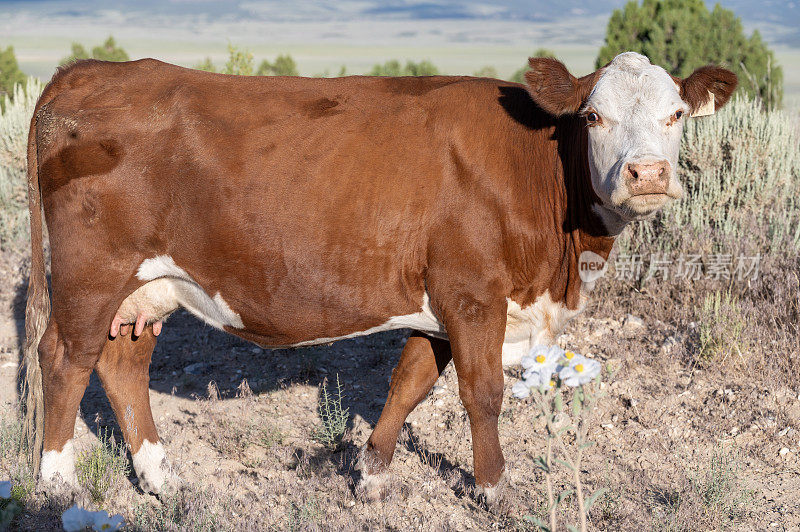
{"type": "Point", "coordinates": [695, 88]}
{"type": "Point", "coordinates": [554, 89]}
{"type": "Point", "coordinates": [317, 208]}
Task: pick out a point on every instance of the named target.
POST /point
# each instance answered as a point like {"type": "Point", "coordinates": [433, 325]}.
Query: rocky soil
{"type": "Point", "coordinates": [238, 422]}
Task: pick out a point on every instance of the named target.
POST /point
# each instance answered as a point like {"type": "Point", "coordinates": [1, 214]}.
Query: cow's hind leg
{"type": "Point", "coordinates": [124, 370]}
{"type": "Point", "coordinates": [422, 361]}
{"type": "Point", "coordinates": [66, 367]}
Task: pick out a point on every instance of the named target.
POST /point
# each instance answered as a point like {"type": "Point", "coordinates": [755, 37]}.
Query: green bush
{"type": "Point", "coordinates": [108, 51]}
{"type": "Point", "coordinates": [240, 62]}
{"type": "Point", "coordinates": [10, 74]}
{"type": "Point", "coordinates": [333, 418]}
{"type": "Point", "coordinates": [681, 35]}
{"type": "Point", "coordinates": [394, 68]}
{"type": "Point", "coordinates": [284, 65]}
{"type": "Point", "coordinates": [206, 65]}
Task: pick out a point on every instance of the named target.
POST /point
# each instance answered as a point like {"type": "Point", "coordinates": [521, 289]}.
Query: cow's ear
{"type": "Point", "coordinates": [554, 89]}
{"type": "Point", "coordinates": [707, 89]}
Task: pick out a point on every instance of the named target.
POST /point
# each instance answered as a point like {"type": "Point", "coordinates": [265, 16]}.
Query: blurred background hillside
{"type": "Point", "coordinates": [335, 37]}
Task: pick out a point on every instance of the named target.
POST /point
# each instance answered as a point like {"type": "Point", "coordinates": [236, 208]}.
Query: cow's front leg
{"type": "Point", "coordinates": [476, 322]}
{"type": "Point", "coordinates": [422, 361]}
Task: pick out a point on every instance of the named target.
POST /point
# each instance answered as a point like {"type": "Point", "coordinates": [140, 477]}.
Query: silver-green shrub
{"type": "Point", "coordinates": [14, 123]}
{"type": "Point", "coordinates": [741, 171]}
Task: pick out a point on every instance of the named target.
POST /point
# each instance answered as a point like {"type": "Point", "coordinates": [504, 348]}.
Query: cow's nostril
{"type": "Point", "coordinates": [633, 172]}
{"type": "Point", "coordinates": [661, 171]}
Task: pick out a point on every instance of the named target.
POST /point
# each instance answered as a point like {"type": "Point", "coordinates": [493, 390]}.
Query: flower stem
{"type": "Point", "coordinates": [550, 500]}
{"type": "Point", "coordinates": [579, 492]}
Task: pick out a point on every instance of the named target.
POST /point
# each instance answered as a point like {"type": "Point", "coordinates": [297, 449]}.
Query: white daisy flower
{"type": "Point", "coordinates": [542, 356]}
{"type": "Point", "coordinates": [5, 489]}
{"type": "Point", "coordinates": [76, 519]}
{"type": "Point", "coordinates": [102, 521]}
{"type": "Point", "coordinates": [538, 378]}
{"type": "Point", "coordinates": [520, 390]}
{"type": "Point", "coordinates": [579, 371]}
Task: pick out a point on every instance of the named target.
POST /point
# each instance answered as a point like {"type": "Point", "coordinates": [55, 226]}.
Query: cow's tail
{"type": "Point", "coordinates": [37, 311]}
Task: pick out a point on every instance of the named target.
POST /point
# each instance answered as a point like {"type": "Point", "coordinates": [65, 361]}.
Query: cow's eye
{"type": "Point", "coordinates": [592, 118]}
{"type": "Point", "coordinates": [678, 114]}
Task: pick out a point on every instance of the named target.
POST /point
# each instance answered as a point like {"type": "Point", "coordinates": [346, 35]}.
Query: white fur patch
{"type": "Point", "coordinates": [59, 464]}
{"type": "Point", "coordinates": [493, 494]}
{"type": "Point", "coordinates": [152, 468]}
{"type": "Point", "coordinates": [170, 287]}
{"type": "Point", "coordinates": [538, 323]}
{"type": "Point", "coordinates": [424, 321]}
{"type": "Point", "coordinates": [375, 487]}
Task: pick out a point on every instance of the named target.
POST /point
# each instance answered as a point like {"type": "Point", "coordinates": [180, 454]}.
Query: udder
{"type": "Point", "coordinates": [160, 296]}
{"type": "Point", "coordinates": [151, 303]}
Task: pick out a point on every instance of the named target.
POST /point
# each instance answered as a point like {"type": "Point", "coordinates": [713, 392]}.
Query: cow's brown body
{"type": "Point", "coordinates": [317, 208]}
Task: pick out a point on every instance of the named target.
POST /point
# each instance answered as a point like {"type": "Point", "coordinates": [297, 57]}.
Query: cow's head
{"type": "Point", "coordinates": [634, 112]}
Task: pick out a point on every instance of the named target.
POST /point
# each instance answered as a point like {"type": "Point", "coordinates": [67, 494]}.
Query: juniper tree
{"type": "Point", "coordinates": [681, 35]}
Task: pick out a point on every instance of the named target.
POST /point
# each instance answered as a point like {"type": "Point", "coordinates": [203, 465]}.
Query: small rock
{"type": "Point", "coordinates": [669, 343]}
{"type": "Point", "coordinates": [632, 323]}
{"type": "Point", "coordinates": [438, 402]}
{"type": "Point", "coordinates": [784, 432]}
{"type": "Point", "coordinates": [608, 426]}
{"type": "Point", "coordinates": [351, 503]}
{"type": "Point", "coordinates": [438, 389]}
{"type": "Point", "coordinates": [734, 430]}
{"type": "Point", "coordinates": [784, 451]}
{"type": "Point", "coordinates": [198, 368]}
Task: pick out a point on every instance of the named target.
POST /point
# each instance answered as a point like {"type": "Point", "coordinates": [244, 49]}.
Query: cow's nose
{"type": "Point", "coordinates": [647, 178]}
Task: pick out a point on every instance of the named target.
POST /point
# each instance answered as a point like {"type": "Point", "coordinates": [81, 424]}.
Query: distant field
{"type": "Point", "coordinates": [40, 56]}
{"type": "Point", "coordinates": [455, 47]}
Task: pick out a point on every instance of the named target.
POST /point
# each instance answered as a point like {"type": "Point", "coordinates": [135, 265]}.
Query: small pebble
{"type": "Point", "coordinates": [784, 451]}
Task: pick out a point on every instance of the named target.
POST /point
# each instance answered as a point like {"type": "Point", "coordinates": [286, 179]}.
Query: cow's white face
{"type": "Point", "coordinates": [635, 117]}
{"type": "Point", "coordinates": [634, 113]}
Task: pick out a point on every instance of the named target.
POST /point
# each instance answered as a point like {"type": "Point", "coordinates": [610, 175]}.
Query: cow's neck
{"type": "Point", "coordinates": [579, 224]}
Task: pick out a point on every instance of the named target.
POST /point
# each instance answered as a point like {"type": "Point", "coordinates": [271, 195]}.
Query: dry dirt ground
{"type": "Point", "coordinates": [251, 461]}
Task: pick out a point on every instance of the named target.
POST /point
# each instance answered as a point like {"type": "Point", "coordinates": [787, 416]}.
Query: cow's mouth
{"type": "Point", "coordinates": [640, 206]}
{"type": "Point", "coordinates": [652, 197]}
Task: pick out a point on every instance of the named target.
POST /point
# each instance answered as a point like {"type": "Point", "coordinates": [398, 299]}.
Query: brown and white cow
{"type": "Point", "coordinates": [293, 211]}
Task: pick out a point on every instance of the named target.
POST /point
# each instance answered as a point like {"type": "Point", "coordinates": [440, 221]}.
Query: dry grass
{"type": "Point", "coordinates": [103, 467]}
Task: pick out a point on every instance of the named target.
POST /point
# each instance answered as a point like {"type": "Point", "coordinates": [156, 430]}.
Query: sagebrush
{"type": "Point", "coordinates": [15, 119]}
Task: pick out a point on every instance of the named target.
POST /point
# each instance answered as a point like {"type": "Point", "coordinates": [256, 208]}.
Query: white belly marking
{"type": "Point", "coordinates": [170, 287]}
{"type": "Point", "coordinates": [424, 321]}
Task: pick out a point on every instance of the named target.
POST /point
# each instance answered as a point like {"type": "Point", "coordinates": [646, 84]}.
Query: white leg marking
{"type": "Point", "coordinates": [153, 469]}
{"type": "Point", "coordinates": [60, 465]}
{"type": "Point", "coordinates": [375, 486]}
{"type": "Point", "coordinates": [493, 494]}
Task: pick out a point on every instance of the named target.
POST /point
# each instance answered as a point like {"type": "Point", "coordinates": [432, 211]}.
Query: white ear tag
{"type": "Point", "coordinates": [707, 108]}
